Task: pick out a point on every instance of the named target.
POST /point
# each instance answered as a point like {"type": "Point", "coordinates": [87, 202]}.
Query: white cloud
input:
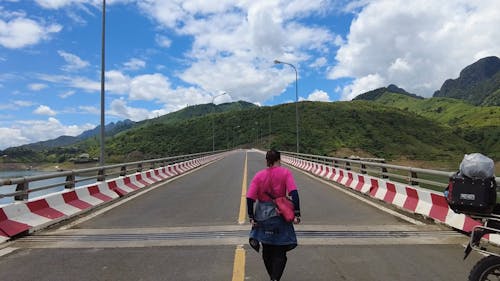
{"type": "Point", "coordinates": [117, 82]}
{"type": "Point", "coordinates": [234, 45]}
{"type": "Point", "coordinates": [163, 41]}
{"type": "Point", "coordinates": [66, 94]}
{"type": "Point", "coordinates": [22, 32]}
{"type": "Point", "coordinates": [149, 87]}
{"type": "Point", "coordinates": [134, 64]}
{"type": "Point", "coordinates": [119, 108]}
{"type": "Point", "coordinates": [90, 109]}
{"type": "Point", "coordinates": [29, 131]}
{"type": "Point", "coordinates": [57, 4]}
{"type": "Point", "coordinates": [37, 86]}
{"type": "Point", "coordinates": [319, 62]}
{"type": "Point", "coordinates": [44, 110]}
{"type": "Point", "coordinates": [318, 95]}
{"type": "Point", "coordinates": [240, 79]}
{"type": "Point", "coordinates": [22, 103]}
{"type": "Point", "coordinates": [416, 45]}
{"type": "Point", "coordinates": [362, 85]}
{"type": "Point", "coordinates": [237, 42]}
{"type": "Point", "coordinates": [73, 62]}
{"type": "Point", "coordinates": [15, 137]}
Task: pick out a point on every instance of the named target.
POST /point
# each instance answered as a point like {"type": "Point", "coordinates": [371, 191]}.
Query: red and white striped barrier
{"type": "Point", "coordinates": [29, 216]}
{"type": "Point", "coordinates": [410, 198]}
{"type": "Point", "coordinates": [32, 215]}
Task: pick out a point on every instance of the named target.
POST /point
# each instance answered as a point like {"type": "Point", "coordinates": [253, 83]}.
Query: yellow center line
{"type": "Point", "coordinates": [239, 255]}
{"type": "Point", "coordinates": [243, 202]}
{"type": "Point", "coordinates": [239, 264]}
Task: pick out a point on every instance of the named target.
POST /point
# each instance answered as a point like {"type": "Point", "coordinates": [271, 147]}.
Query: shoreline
{"type": "Point", "coordinates": [45, 167]}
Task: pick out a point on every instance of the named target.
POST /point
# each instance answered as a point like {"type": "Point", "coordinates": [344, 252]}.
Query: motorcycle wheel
{"type": "Point", "coordinates": [486, 269]}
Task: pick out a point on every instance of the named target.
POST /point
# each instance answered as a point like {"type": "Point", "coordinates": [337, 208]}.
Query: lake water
{"type": "Point", "coordinates": [5, 189]}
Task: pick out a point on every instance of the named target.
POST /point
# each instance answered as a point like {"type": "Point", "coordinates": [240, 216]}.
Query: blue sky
{"type": "Point", "coordinates": [164, 55]}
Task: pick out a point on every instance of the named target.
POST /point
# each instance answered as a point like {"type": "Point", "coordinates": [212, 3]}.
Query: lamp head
{"type": "Point", "coordinates": [277, 62]}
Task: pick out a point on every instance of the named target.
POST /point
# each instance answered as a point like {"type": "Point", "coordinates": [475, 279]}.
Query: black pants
{"type": "Point", "coordinates": [274, 257]}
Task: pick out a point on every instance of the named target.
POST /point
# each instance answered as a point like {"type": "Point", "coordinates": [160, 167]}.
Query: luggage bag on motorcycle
{"type": "Point", "coordinates": [470, 195]}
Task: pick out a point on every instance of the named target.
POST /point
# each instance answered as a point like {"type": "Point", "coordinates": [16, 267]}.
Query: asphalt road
{"type": "Point", "coordinates": [187, 229]}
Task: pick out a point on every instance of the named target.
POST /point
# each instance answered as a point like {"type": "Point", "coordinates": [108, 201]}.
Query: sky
{"type": "Point", "coordinates": [163, 55]}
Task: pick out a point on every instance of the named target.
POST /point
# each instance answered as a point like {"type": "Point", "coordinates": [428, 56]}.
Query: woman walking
{"type": "Point", "coordinates": [268, 227]}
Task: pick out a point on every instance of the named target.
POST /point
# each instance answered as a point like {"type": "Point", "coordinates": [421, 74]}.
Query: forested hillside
{"type": "Point", "coordinates": [479, 125]}
{"type": "Point", "coordinates": [325, 129]}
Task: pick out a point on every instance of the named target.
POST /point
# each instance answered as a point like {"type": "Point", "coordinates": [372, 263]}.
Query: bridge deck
{"type": "Point", "coordinates": [187, 229]}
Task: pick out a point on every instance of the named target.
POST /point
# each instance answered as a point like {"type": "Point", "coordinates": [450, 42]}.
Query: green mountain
{"type": "Point", "coordinates": [325, 129]}
{"type": "Point", "coordinates": [200, 110]}
{"type": "Point", "coordinates": [377, 93]}
{"type": "Point", "coordinates": [112, 128]}
{"type": "Point", "coordinates": [65, 147]}
{"type": "Point", "coordinates": [392, 126]}
{"type": "Point", "coordinates": [478, 83]}
{"type": "Point", "coordinates": [479, 125]}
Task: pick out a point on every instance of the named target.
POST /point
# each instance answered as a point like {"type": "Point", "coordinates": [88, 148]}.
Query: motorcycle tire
{"type": "Point", "coordinates": [487, 268]}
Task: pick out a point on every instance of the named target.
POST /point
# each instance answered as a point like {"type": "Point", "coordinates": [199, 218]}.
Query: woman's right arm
{"type": "Point", "coordinates": [250, 203]}
{"type": "Point", "coordinates": [252, 197]}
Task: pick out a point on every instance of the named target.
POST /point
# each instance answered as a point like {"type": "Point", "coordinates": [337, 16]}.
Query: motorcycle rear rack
{"type": "Point", "coordinates": [488, 220]}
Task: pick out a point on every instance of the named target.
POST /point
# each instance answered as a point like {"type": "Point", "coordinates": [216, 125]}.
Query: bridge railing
{"type": "Point", "coordinates": [426, 178]}
{"type": "Point", "coordinates": [51, 182]}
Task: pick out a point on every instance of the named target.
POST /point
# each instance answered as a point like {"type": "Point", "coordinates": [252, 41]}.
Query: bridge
{"type": "Point", "coordinates": [184, 218]}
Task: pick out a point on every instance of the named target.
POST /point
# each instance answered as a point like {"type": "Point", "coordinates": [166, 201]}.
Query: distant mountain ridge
{"type": "Point", "coordinates": [377, 93]}
{"type": "Point", "coordinates": [478, 83]}
{"type": "Point", "coordinates": [112, 128]}
{"type": "Point", "coordinates": [201, 110]}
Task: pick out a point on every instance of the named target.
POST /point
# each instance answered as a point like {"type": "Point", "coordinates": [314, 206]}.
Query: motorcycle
{"type": "Point", "coordinates": [472, 191]}
{"type": "Point", "coordinates": [476, 198]}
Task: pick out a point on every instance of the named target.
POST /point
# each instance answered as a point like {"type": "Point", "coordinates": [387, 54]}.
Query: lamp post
{"type": "Point", "coordinates": [296, 99]}
{"type": "Point", "coordinates": [101, 157]}
{"type": "Point", "coordinates": [213, 126]}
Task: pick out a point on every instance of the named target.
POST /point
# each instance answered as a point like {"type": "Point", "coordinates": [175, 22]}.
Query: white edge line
{"type": "Point", "coordinates": [6, 251]}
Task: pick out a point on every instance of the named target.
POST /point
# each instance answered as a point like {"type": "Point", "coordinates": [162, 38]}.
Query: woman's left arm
{"type": "Point", "coordinates": [296, 202]}
{"type": "Point", "coordinates": [292, 192]}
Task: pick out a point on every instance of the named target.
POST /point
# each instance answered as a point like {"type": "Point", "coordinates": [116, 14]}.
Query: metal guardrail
{"type": "Point", "coordinates": [69, 179]}
{"type": "Point", "coordinates": [427, 178]}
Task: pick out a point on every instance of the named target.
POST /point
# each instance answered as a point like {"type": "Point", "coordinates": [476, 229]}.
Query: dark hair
{"type": "Point", "coordinates": [272, 156]}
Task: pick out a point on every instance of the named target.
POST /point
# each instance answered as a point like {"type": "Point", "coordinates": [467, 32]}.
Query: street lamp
{"type": "Point", "coordinates": [101, 158]}
{"type": "Point", "coordinates": [213, 117]}
{"type": "Point", "coordinates": [296, 99]}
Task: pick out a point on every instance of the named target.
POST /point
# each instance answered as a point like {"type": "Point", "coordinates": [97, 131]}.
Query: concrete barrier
{"type": "Point", "coordinates": [413, 199]}
{"type": "Point", "coordinates": [28, 216]}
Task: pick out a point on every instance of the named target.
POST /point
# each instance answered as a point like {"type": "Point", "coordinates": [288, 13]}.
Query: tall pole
{"type": "Point", "coordinates": [213, 117]}
{"type": "Point", "coordinates": [269, 138]}
{"type": "Point", "coordinates": [101, 158]}
{"type": "Point", "coordinates": [296, 99]}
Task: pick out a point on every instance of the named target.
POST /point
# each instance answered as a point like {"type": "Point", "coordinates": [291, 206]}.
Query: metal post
{"type": "Point", "coordinates": [213, 126]}
{"type": "Point", "coordinates": [296, 99]}
{"type": "Point", "coordinates": [413, 175]}
{"type": "Point", "coordinates": [70, 182]}
{"type": "Point", "coordinates": [296, 106]}
{"type": "Point", "coordinates": [101, 158]}
{"type": "Point", "coordinates": [24, 187]}
{"type": "Point", "coordinates": [269, 138]}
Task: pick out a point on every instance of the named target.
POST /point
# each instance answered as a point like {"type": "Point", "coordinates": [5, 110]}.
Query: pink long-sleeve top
{"type": "Point", "coordinates": [278, 178]}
